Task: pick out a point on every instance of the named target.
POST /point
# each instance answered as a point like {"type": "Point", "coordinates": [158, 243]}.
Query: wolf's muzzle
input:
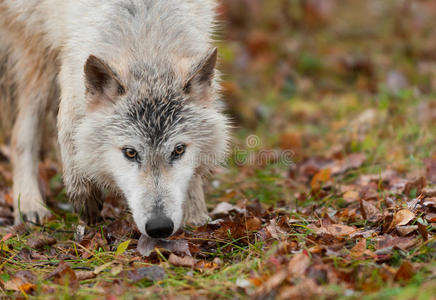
{"type": "Point", "coordinates": [159, 227]}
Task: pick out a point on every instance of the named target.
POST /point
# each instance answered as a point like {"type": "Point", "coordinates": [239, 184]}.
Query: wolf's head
{"type": "Point", "coordinates": [149, 133]}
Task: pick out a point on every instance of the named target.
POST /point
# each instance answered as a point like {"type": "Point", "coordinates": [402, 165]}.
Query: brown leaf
{"type": "Point", "coordinates": [307, 289]}
{"type": "Point", "coordinates": [337, 230]}
{"type": "Point", "coordinates": [16, 284]}
{"type": "Point", "coordinates": [272, 283]}
{"type": "Point", "coordinates": [39, 240]}
{"type": "Point", "coordinates": [63, 274]}
{"type": "Point", "coordinates": [417, 184]}
{"type": "Point", "coordinates": [298, 265]}
{"type": "Point", "coordinates": [253, 224]}
{"type": "Point", "coordinates": [405, 272]}
{"type": "Point", "coordinates": [431, 218]}
{"type": "Point", "coordinates": [405, 230]}
{"type": "Point", "coordinates": [423, 231]}
{"type": "Point", "coordinates": [187, 261]}
{"type": "Point", "coordinates": [351, 196]}
{"type": "Point", "coordinates": [369, 211]}
{"type": "Point", "coordinates": [22, 281]}
{"type": "Point", "coordinates": [275, 231]}
{"type": "Point", "coordinates": [430, 166]}
{"type": "Point", "coordinates": [320, 178]}
{"type": "Point", "coordinates": [358, 249]}
{"type": "Point", "coordinates": [351, 161]}
{"type": "Point", "coordinates": [402, 217]}
{"type": "Point", "coordinates": [388, 241]}
{"type": "Point", "coordinates": [290, 141]}
{"type": "Point", "coordinates": [85, 275]}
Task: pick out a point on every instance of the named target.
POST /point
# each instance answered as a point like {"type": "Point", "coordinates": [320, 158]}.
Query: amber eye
{"type": "Point", "coordinates": [178, 151]}
{"type": "Point", "coordinates": [130, 153]}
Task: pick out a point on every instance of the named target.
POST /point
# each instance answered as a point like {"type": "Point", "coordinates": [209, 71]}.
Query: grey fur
{"type": "Point", "coordinates": [129, 72]}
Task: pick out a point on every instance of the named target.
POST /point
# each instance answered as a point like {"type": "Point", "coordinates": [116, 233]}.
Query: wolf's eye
{"type": "Point", "coordinates": [178, 151]}
{"type": "Point", "coordinates": [130, 153]}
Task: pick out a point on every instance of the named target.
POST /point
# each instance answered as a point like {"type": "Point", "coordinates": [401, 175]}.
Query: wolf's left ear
{"type": "Point", "coordinates": [101, 82]}
{"type": "Point", "coordinates": [202, 75]}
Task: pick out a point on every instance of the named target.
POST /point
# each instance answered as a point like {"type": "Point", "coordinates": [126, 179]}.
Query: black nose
{"type": "Point", "coordinates": [159, 227]}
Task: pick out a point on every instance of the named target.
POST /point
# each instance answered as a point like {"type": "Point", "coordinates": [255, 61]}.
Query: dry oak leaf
{"type": "Point", "coordinates": [402, 217]}
{"type": "Point", "coordinates": [337, 230]}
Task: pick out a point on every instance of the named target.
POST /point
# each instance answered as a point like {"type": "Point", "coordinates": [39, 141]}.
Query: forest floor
{"type": "Point", "coordinates": [330, 189]}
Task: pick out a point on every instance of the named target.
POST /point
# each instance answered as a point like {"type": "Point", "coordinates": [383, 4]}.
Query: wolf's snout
{"type": "Point", "coordinates": [159, 227]}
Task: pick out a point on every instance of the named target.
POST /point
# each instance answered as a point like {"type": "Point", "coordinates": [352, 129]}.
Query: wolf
{"type": "Point", "coordinates": [136, 91]}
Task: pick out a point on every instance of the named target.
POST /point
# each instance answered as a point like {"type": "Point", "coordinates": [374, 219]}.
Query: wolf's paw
{"type": "Point", "coordinates": [198, 220]}
{"type": "Point", "coordinates": [32, 212]}
{"type": "Point", "coordinates": [89, 212]}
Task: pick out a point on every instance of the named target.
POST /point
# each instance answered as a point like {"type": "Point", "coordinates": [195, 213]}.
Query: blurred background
{"type": "Point", "coordinates": [292, 67]}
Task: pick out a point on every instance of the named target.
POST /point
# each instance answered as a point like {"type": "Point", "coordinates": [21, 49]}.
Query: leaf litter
{"type": "Point", "coordinates": [354, 214]}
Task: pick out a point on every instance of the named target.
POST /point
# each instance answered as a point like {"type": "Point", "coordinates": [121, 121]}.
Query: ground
{"type": "Point", "coordinates": [329, 192]}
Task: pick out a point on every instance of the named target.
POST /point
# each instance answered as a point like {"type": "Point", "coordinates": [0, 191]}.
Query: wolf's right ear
{"type": "Point", "coordinates": [102, 84]}
{"type": "Point", "coordinates": [201, 76]}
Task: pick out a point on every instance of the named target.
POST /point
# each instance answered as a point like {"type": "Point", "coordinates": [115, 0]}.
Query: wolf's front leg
{"type": "Point", "coordinates": [195, 211]}
{"type": "Point", "coordinates": [26, 135]}
{"type": "Point", "coordinates": [87, 199]}
{"type": "Point", "coordinates": [35, 79]}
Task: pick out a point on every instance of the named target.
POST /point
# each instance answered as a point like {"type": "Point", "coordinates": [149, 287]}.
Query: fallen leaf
{"type": "Point", "coordinates": [39, 240]}
{"type": "Point", "coordinates": [416, 185]}
{"type": "Point", "coordinates": [359, 248]}
{"type": "Point", "coordinates": [224, 208]}
{"type": "Point", "coordinates": [402, 217]}
{"type": "Point", "coordinates": [405, 230]}
{"type": "Point", "coordinates": [405, 272]}
{"type": "Point", "coordinates": [307, 289]}
{"type": "Point", "coordinates": [337, 230]}
{"type": "Point", "coordinates": [85, 275]}
{"type": "Point", "coordinates": [369, 211]}
{"type": "Point", "coordinates": [298, 265]}
{"type": "Point", "coordinates": [103, 267]}
{"type": "Point", "coordinates": [273, 282]}
{"type": "Point", "coordinates": [253, 224]}
{"type": "Point", "coordinates": [430, 166]}
{"type": "Point", "coordinates": [351, 196]}
{"type": "Point", "coordinates": [275, 231]}
{"type": "Point", "coordinates": [423, 231]}
{"type": "Point", "coordinates": [187, 261]}
{"type": "Point", "coordinates": [63, 274]}
{"type": "Point", "coordinates": [320, 178]}
{"type": "Point", "coordinates": [389, 241]}
{"type": "Point", "coordinates": [122, 247]}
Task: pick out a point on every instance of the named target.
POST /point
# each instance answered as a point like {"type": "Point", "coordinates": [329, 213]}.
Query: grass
{"type": "Point", "coordinates": [328, 109]}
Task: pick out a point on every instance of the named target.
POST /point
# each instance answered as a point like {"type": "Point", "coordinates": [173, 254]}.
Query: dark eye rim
{"type": "Point", "coordinates": [133, 157]}
{"type": "Point", "coordinates": [178, 154]}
